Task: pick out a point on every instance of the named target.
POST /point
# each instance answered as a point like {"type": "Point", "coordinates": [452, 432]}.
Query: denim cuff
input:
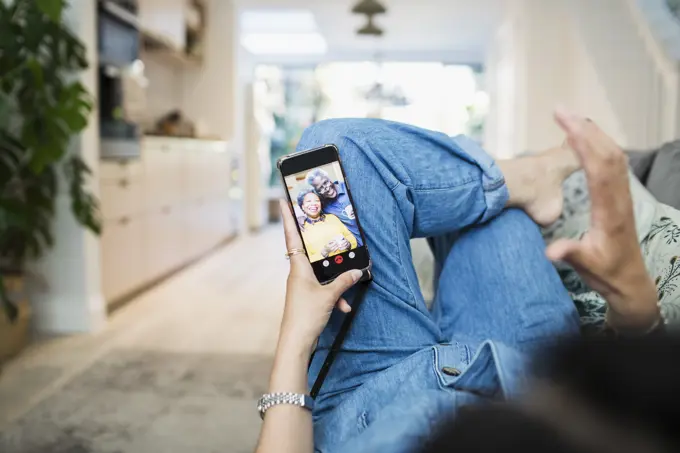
{"type": "Point", "coordinates": [493, 181]}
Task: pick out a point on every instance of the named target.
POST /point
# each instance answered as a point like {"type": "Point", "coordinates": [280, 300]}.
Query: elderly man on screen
{"type": "Point", "coordinates": [335, 199]}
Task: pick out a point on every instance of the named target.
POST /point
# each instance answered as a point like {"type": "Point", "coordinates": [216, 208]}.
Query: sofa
{"type": "Point", "coordinates": [659, 171]}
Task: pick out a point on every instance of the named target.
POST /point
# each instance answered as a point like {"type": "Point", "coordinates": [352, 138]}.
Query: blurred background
{"type": "Point", "coordinates": [147, 320]}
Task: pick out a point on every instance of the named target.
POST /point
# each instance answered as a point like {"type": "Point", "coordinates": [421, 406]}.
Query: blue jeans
{"type": "Point", "coordinates": [403, 367]}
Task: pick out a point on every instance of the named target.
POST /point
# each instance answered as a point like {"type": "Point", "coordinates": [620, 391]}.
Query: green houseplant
{"type": "Point", "coordinates": [42, 107]}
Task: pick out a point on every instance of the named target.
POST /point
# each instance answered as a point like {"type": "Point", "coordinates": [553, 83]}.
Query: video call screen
{"type": "Point", "coordinates": [324, 213]}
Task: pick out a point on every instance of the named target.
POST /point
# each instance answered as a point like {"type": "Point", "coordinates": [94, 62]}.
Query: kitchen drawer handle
{"type": "Point", "coordinates": [165, 148]}
{"type": "Point", "coordinates": [124, 220]}
{"type": "Point", "coordinates": [124, 183]}
{"type": "Point", "coordinates": [166, 210]}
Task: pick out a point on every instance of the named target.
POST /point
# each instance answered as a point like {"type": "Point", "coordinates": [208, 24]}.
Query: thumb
{"type": "Point", "coordinates": [345, 281]}
{"type": "Point", "coordinates": [566, 250]}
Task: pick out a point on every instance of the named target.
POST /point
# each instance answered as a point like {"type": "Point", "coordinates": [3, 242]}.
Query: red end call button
{"type": "Point", "coordinates": [338, 259]}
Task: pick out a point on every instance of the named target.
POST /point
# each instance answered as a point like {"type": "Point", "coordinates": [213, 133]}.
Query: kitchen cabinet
{"type": "Point", "coordinates": [122, 169]}
{"type": "Point", "coordinates": [163, 210]}
{"type": "Point", "coordinates": [165, 241]}
{"type": "Point", "coordinates": [165, 20]}
{"type": "Point", "coordinates": [121, 198]}
{"type": "Point", "coordinates": [123, 252]}
{"type": "Point", "coordinates": [163, 166]}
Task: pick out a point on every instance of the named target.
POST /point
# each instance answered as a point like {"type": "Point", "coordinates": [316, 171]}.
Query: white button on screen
{"type": "Point", "coordinates": [326, 263]}
{"type": "Point", "coordinates": [351, 255]}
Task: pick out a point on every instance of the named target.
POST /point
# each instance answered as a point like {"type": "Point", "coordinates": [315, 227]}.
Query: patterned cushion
{"type": "Point", "coordinates": [658, 231]}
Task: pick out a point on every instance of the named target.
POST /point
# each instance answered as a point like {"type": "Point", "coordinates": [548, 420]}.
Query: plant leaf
{"type": "Point", "coordinates": [51, 8]}
{"type": "Point", "coordinates": [37, 71]}
{"type": "Point", "coordinates": [5, 110]}
{"type": "Point", "coordinates": [42, 108]}
{"type": "Point", "coordinates": [84, 205]}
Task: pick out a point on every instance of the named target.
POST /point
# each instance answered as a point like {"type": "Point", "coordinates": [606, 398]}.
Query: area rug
{"type": "Point", "coordinates": [142, 402]}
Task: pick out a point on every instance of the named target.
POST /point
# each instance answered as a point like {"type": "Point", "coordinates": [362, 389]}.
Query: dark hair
{"type": "Point", "coordinates": [627, 388]}
{"type": "Point", "coordinates": [511, 431]}
{"type": "Point", "coordinates": [303, 193]}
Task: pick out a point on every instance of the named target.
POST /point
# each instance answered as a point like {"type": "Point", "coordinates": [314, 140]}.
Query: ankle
{"type": "Point", "coordinates": [564, 161]}
{"type": "Point", "coordinates": [520, 179]}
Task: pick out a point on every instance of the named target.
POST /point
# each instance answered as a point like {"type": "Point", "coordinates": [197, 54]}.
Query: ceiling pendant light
{"type": "Point", "coordinates": [369, 7]}
{"type": "Point", "coordinates": [370, 29]}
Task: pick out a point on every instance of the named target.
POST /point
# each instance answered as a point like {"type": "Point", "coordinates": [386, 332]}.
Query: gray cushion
{"type": "Point", "coordinates": [641, 163]}
{"type": "Point", "coordinates": [664, 177]}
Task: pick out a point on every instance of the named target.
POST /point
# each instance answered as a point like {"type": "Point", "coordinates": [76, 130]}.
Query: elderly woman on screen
{"type": "Point", "coordinates": [324, 234]}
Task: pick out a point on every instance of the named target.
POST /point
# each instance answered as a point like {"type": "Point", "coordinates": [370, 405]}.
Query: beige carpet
{"type": "Point", "coordinates": [139, 402]}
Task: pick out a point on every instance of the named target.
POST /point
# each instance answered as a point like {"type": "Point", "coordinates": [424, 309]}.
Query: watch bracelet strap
{"type": "Point", "coordinates": [270, 400]}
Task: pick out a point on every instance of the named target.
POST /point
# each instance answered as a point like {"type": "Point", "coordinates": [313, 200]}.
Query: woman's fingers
{"type": "Point", "coordinates": [298, 262]}
{"type": "Point", "coordinates": [606, 169]}
{"type": "Point", "coordinates": [343, 305]}
{"type": "Point", "coordinates": [567, 120]}
{"type": "Point", "coordinates": [569, 251]}
{"type": "Point", "coordinates": [293, 239]}
{"type": "Point", "coordinates": [344, 282]}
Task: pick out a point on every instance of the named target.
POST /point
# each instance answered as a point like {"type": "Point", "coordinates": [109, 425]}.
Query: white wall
{"type": "Point", "coordinates": [587, 94]}
{"type": "Point", "coordinates": [166, 87]}
{"type": "Point", "coordinates": [208, 95]}
{"type": "Point", "coordinates": [536, 62]}
{"type": "Point", "coordinates": [502, 132]}
{"type": "Point", "coordinates": [203, 93]}
{"type": "Point", "coordinates": [546, 75]}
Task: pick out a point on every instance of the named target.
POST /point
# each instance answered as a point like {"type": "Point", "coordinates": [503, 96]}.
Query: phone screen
{"type": "Point", "coordinates": [326, 216]}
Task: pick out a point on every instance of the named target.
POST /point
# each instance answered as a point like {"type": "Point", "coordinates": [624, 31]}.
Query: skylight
{"type": "Point", "coordinates": [281, 32]}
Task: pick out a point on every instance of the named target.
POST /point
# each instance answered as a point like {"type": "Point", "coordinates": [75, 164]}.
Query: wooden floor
{"type": "Point", "coordinates": [231, 302]}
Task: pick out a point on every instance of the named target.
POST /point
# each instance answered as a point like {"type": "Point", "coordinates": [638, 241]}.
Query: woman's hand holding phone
{"type": "Point", "coordinates": [308, 306]}
{"type": "Point", "coordinates": [308, 303]}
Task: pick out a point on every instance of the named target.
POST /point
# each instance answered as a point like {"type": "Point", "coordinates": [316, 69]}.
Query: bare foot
{"type": "Point", "coordinates": [535, 182]}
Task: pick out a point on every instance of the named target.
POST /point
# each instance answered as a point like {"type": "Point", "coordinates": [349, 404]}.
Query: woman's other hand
{"type": "Point", "coordinates": [308, 303]}
{"type": "Point", "coordinates": [608, 257]}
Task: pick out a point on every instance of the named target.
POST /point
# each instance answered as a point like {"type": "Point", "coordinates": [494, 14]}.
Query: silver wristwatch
{"type": "Point", "coordinates": [272, 399]}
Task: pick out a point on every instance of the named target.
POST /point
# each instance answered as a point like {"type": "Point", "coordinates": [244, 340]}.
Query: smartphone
{"type": "Point", "coordinates": [327, 219]}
